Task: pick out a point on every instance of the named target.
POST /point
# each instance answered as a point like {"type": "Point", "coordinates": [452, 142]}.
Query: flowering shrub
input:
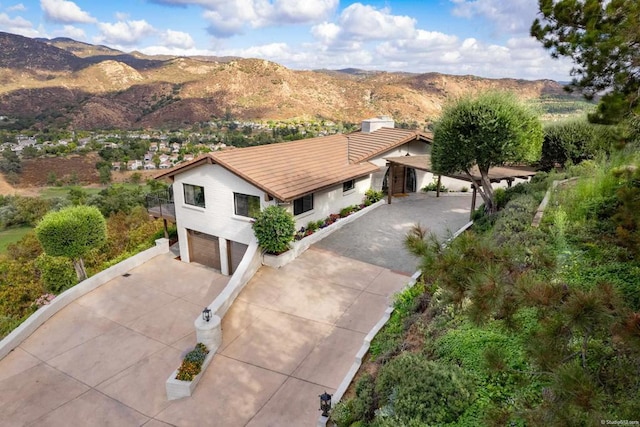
{"type": "Point", "coordinates": [192, 363]}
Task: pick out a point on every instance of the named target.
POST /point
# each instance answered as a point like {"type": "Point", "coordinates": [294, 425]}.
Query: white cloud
{"type": "Point", "coordinates": [511, 16]}
{"type": "Point", "coordinates": [122, 16]}
{"type": "Point", "coordinates": [222, 24]}
{"type": "Point", "coordinates": [17, 8]}
{"type": "Point", "coordinates": [65, 11]}
{"type": "Point", "coordinates": [365, 22]}
{"type": "Point", "coordinates": [326, 33]}
{"type": "Point", "coordinates": [71, 32]}
{"type": "Point", "coordinates": [126, 33]}
{"type": "Point", "coordinates": [18, 25]}
{"type": "Point", "coordinates": [300, 11]}
{"type": "Point", "coordinates": [231, 17]}
{"type": "Point", "coordinates": [177, 39]}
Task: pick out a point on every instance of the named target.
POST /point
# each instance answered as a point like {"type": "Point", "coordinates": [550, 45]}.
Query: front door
{"type": "Point", "coordinates": [399, 174]}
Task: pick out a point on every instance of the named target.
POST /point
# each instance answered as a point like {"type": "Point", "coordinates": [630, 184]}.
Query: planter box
{"type": "Point", "coordinates": [177, 389]}
{"type": "Point", "coordinates": [298, 247]}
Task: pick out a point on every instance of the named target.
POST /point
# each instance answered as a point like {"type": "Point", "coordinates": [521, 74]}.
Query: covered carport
{"type": "Point", "coordinates": [423, 162]}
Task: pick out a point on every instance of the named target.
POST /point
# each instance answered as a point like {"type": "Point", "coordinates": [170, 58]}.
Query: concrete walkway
{"type": "Point", "coordinates": [378, 237]}
{"type": "Point", "coordinates": [291, 334]}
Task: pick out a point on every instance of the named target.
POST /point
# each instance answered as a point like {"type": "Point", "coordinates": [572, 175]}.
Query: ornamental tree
{"type": "Point", "coordinates": [486, 130]}
{"type": "Point", "coordinates": [71, 233]}
{"type": "Point", "coordinates": [602, 39]}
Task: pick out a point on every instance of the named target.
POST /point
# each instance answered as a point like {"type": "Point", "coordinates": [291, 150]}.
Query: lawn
{"type": "Point", "coordinates": [11, 235]}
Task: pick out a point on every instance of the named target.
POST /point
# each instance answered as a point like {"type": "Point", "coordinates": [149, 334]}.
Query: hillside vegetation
{"type": "Point", "coordinates": [517, 325]}
{"type": "Point", "coordinates": [63, 83]}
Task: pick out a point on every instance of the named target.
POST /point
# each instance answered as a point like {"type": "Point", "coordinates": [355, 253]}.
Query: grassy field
{"type": "Point", "coordinates": [63, 191]}
{"type": "Point", "coordinates": [11, 235]}
{"type": "Point", "coordinates": [52, 192]}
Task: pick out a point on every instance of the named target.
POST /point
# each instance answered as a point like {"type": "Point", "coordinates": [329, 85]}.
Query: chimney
{"type": "Point", "coordinates": [372, 125]}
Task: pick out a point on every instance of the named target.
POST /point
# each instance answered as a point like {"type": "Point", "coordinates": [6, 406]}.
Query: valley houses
{"type": "Point", "coordinates": [216, 195]}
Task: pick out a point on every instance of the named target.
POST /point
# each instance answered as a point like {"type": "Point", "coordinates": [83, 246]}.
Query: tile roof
{"type": "Point", "coordinates": [289, 170]}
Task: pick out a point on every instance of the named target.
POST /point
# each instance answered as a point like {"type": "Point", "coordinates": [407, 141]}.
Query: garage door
{"type": "Point", "coordinates": [204, 249]}
{"type": "Point", "coordinates": [236, 252]}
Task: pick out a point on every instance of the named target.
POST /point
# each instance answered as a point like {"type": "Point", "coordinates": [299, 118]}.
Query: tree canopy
{"type": "Point", "coordinates": [486, 130]}
{"type": "Point", "coordinates": [71, 233]}
{"type": "Point", "coordinates": [602, 39]}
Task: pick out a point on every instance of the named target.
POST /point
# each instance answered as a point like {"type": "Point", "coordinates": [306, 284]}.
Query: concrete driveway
{"type": "Point", "coordinates": [291, 334]}
{"type": "Point", "coordinates": [378, 237]}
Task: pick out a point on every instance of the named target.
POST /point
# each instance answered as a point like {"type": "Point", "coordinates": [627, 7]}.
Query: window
{"type": "Point", "coordinates": [348, 185]}
{"type": "Point", "coordinates": [194, 195]}
{"type": "Point", "coordinates": [303, 204]}
{"type": "Point", "coordinates": [246, 205]}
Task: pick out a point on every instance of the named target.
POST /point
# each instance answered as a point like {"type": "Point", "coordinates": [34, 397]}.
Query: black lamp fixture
{"type": "Point", "coordinates": [206, 314]}
{"type": "Point", "coordinates": [325, 404]}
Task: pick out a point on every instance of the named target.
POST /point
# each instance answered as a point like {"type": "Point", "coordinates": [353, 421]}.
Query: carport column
{"type": "Point", "coordinates": [224, 256]}
{"type": "Point", "coordinates": [209, 333]}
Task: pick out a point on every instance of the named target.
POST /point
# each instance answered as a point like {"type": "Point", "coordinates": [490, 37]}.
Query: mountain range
{"type": "Point", "coordinates": [66, 83]}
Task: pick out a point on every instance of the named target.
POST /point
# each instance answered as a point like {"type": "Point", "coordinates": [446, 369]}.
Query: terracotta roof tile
{"type": "Point", "coordinates": [289, 170]}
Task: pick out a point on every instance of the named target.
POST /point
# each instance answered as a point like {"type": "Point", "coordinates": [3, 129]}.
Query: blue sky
{"type": "Point", "coordinates": [488, 38]}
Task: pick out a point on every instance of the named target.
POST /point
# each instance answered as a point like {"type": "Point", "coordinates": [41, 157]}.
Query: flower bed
{"type": "Point", "coordinates": [314, 226]}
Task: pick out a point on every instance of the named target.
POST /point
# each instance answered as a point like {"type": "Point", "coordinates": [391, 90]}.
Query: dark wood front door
{"type": "Point", "coordinates": [399, 174]}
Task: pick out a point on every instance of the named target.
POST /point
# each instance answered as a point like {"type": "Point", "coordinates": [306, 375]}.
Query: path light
{"type": "Point", "coordinates": [206, 314]}
{"type": "Point", "coordinates": [325, 404]}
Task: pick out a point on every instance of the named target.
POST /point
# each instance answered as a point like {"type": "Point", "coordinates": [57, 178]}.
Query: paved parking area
{"type": "Point", "coordinates": [291, 334]}
{"type": "Point", "coordinates": [378, 237]}
{"type": "Point", "coordinates": [104, 358]}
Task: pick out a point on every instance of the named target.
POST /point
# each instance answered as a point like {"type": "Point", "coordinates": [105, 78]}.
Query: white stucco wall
{"type": "Point", "coordinates": [413, 148]}
{"type": "Point", "coordinates": [332, 200]}
{"type": "Point", "coordinates": [217, 218]}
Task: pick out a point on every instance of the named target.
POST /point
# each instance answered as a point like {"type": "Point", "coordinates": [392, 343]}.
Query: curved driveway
{"type": "Point", "coordinates": [378, 237]}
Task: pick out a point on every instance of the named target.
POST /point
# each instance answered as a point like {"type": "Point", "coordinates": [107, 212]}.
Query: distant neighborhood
{"type": "Point", "coordinates": [163, 149]}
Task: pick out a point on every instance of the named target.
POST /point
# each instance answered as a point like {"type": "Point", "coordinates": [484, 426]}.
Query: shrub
{"type": "Point", "coordinates": [346, 211]}
{"type": "Point", "coordinates": [414, 388]}
{"type": "Point", "coordinates": [274, 228]}
{"type": "Point", "coordinates": [433, 186]}
{"type": "Point", "coordinates": [57, 273]}
{"type": "Point", "coordinates": [192, 363]}
{"type": "Point", "coordinates": [372, 196]}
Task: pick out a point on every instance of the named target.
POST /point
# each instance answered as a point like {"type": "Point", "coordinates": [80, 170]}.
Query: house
{"type": "Point", "coordinates": [217, 194]}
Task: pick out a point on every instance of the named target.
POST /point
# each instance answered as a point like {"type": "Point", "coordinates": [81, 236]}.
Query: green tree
{"type": "Point", "coordinates": [10, 162]}
{"type": "Point", "coordinates": [105, 174]}
{"type": "Point", "coordinates": [487, 130]}
{"type": "Point", "coordinates": [602, 39]}
{"type": "Point", "coordinates": [71, 233]}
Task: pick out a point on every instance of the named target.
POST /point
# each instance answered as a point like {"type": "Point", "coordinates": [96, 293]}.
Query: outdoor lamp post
{"type": "Point", "coordinates": [325, 404]}
{"type": "Point", "coordinates": [206, 314]}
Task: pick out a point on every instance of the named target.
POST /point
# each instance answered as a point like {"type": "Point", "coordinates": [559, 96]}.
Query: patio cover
{"type": "Point", "coordinates": [496, 174]}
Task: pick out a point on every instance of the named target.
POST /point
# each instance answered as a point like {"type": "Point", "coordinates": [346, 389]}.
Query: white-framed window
{"type": "Point", "coordinates": [194, 195]}
{"type": "Point", "coordinates": [303, 204]}
{"type": "Point", "coordinates": [246, 205]}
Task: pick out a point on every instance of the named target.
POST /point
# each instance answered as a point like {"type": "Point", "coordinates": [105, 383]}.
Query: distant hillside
{"type": "Point", "coordinates": [62, 82]}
